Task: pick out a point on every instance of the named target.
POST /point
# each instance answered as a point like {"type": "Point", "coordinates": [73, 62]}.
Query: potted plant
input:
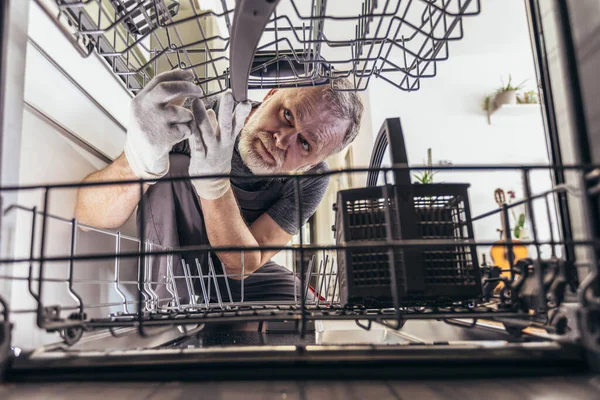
{"type": "Point", "coordinates": [530, 97]}
{"type": "Point", "coordinates": [426, 176]}
{"type": "Point", "coordinates": [507, 94]}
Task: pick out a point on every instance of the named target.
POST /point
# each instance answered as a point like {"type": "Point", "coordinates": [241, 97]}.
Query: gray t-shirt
{"type": "Point", "coordinates": [276, 197]}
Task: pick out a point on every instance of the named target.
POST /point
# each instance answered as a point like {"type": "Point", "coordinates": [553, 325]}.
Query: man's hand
{"type": "Point", "coordinates": [155, 125]}
{"type": "Point", "coordinates": [212, 144]}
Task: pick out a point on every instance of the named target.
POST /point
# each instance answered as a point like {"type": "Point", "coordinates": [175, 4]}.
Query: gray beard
{"type": "Point", "coordinates": [251, 158]}
{"type": "Point", "coordinates": [254, 161]}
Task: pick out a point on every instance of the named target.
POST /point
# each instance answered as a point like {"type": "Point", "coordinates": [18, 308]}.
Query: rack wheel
{"type": "Point", "coordinates": [513, 330]}
{"type": "Point", "coordinates": [187, 328]}
{"type": "Point", "coordinates": [71, 335]}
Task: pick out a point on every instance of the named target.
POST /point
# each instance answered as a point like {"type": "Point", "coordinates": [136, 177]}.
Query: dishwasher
{"type": "Point", "coordinates": [398, 287]}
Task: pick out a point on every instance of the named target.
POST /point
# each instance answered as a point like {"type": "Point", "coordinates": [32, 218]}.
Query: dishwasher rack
{"type": "Point", "coordinates": [530, 295]}
{"type": "Point", "coordinates": [301, 43]}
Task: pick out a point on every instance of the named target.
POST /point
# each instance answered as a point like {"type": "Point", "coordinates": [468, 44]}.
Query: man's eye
{"type": "Point", "coordinates": [305, 145]}
{"type": "Point", "coordinates": [287, 114]}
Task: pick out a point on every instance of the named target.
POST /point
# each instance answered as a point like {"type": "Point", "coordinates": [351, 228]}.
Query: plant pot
{"type": "Point", "coordinates": [507, 97]}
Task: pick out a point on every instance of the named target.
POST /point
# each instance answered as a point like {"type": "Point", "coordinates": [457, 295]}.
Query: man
{"type": "Point", "coordinates": [291, 131]}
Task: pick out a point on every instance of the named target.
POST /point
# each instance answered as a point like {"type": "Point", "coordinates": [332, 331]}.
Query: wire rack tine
{"type": "Point", "coordinates": [308, 275]}
{"type": "Point", "coordinates": [295, 274]}
{"type": "Point", "coordinates": [550, 225]}
{"type": "Point", "coordinates": [149, 275]}
{"type": "Point", "coordinates": [72, 292]}
{"type": "Point", "coordinates": [335, 287]}
{"type": "Point", "coordinates": [325, 280]}
{"type": "Point", "coordinates": [189, 283]}
{"type": "Point", "coordinates": [202, 285]}
{"type": "Point", "coordinates": [171, 284]}
{"type": "Point", "coordinates": [40, 307]}
{"type": "Point", "coordinates": [147, 261]}
{"type": "Point", "coordinates": [329, 280]}
{"type": "Point", "coordinates": [226, 279]}
{"type": "Point", "coordinates": [141, 282]}
{"type": "Point", "coordinates": [322, 279]}
{"type": "Point", "coordinates": [214, 278]}
{"type": "Point", "coordinates": [31, 256]}
{"type": "Point", "coordinates": [117, 275]}
{"type": "Point", "coordinates": [243, 277]}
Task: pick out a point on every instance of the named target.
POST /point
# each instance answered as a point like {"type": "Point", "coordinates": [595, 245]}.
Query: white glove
{"type": "Point", "coordinates": [155, 125]}
{"type": "Point", "coordinates": [212, 144]}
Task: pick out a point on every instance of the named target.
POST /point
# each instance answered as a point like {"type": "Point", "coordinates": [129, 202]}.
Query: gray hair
{"type": "Point", "coordinates": [346, 105]}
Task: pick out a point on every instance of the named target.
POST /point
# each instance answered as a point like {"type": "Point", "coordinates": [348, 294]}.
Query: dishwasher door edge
{"type": "Point", "coordinates": [310, 362]}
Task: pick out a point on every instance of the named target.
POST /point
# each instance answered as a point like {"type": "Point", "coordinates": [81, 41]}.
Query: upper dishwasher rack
{"type": "Point", "coordinates": [270, 43]}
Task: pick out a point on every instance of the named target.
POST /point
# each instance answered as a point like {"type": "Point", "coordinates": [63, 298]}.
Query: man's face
{"type": "Point", "coordinates": [291, 131]}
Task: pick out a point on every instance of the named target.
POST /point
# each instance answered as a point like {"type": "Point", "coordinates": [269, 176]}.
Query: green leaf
{"type": "Point", "coordinates": [427, 177]}
{"type": "Point", "coordinates": [521, 221]}
{"type": "Point", "coordinates": [517, 232]}
{"type": "Point", "coordinates": [521, 85]}
{"type": "Point", "coordinates": [486, 103]}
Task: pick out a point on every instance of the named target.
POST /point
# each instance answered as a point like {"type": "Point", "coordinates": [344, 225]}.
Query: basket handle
{"type": "Point", "coordinates": [390, 134]}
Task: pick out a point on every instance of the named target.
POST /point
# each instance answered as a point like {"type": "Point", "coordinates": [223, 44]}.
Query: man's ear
{"type": "Point", "coordinates": [270, 93]}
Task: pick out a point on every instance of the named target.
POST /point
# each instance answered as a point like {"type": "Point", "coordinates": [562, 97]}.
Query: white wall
{"type": "Point", "coordinates": [446, 114]}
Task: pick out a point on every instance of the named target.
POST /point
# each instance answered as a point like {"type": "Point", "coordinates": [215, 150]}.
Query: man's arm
{"type": "Point", "coordinates": [156, 123]}
{"type": "Point", "coordinates": [226, 227]}
{"type": "Point", "coordinates": [108, 206]}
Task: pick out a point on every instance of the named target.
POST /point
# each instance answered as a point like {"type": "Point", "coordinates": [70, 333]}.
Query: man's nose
{"type": "Point", "coordinates": [284, 138]}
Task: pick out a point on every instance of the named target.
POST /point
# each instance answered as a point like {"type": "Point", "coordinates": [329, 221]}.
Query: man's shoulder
{"type": "Point", "coordinates": [320, 167]}
{"type": "Point", "coordinates": [314, 182]}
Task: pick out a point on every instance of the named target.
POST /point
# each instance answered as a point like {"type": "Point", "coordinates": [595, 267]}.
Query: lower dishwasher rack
{"type": "Point", "coordinates": [539, 336]}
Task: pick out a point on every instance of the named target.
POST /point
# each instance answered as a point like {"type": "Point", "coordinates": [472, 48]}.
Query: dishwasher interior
{"type": "Point", "coordinates": [398, 287]}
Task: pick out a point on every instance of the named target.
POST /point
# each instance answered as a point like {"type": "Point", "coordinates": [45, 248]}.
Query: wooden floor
{"type": "Point", "coordinates": [552, 388]}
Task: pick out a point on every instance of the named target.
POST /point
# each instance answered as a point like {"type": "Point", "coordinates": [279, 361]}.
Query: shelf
{"type": "Point", "coordinates": [514, 110]}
